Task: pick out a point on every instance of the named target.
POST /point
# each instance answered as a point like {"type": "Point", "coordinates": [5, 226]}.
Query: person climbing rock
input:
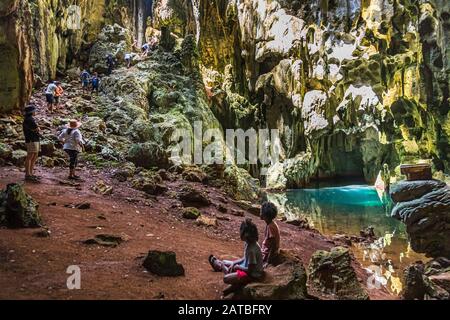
{"type": "Point", "coordinates": [271, 244]}
{"type": "Point", "coordinates": [246, 270]}
{"type": "Point", "coordinates": [145, 50]}
{"type": "Point", "coordinates": [50, 95]}
{"type": "Point", "coordinates": [59, 91]}
{"type": "Point", "coordinates": [85, 78]}
{"type": "Point", "coordinates": [153, 43]}
{"type": "Point", "coordinates": [73, 145]}
{"type": "Point", "coordinates": [128, 60]}
{"type": "Point", "coordinates": [32, 139]}
{"type": "Point", "coordinates": [95, 83]}
{"type": "Point", "coordinates": [110, 63]}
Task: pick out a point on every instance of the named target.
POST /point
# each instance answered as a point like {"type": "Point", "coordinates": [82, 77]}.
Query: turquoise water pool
{"type": "Point", "coordinates": [347, 210]}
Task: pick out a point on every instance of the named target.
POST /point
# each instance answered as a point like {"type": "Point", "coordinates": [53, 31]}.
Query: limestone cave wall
{"type": "Point", "coordinates": [351, 84]}
{"type": "Point", "coordinates": [16, 77]}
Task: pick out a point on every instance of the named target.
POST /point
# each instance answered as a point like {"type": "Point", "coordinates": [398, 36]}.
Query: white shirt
{"type": "Point", "coordinates": [51, 89]}
{"type": "Point", "coordinates": [73, 140]}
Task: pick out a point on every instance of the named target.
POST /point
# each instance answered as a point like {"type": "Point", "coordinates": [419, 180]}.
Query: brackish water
{"type": "Point", "coordinates": [347, 210]}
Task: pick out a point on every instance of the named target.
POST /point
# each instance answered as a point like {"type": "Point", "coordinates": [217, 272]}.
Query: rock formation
{"type": "Point", "coordinates": [18, 209]}
{"type": "Point", "coordinates": [332, 273]}
{"type": "Point", "coordinates": [424, 206]}
{"type": "Point", "coordinates": [351, 85]}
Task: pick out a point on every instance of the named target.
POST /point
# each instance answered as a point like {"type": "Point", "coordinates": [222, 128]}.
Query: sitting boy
{"type": "Point", "coordinates": [271, 244]}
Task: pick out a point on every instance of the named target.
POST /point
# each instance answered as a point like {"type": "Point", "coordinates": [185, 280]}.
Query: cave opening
{"type": "Point", "coordinates": [341, 161]}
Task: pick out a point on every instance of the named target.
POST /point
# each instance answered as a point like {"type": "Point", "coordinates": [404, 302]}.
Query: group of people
{"type": "Point", "coordinates": [53, 94]}
{"type": "Point", "coordinates": [250, 268]}
{"type": "Point", "coordinates": [89, 82]}
{"type": "Point", "coordinates": [145, 50]}
{"type": "Point", "coordinates": [71, 137]}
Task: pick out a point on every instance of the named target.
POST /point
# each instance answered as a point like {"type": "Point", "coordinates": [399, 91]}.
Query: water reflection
{"type": "Point", "coordinates": [347, 210]}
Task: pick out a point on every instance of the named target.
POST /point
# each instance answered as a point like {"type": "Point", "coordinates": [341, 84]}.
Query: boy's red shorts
{"type": "Point", "coordinates": [242, 275]}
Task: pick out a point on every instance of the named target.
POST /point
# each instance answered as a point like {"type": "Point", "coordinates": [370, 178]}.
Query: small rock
{"type": "Point", "coordinates": [105, 240]}
{"type": "Point", "coordinates": [102, 188]}
{"type": "Point", "coordinates": [163, 264]}
{"type": "Point", "coordinates": [191, 213]}
{"type": "Point", "coordinates": [83, 206]}
{"type": "Point", "coordinates": [222, 208]}
{"type": "Point", "coordinates": [208, 222]}
{"type": "Point", "coordinates": [192, 197]}
{"type": "Point", "coordinates": [42, 234]}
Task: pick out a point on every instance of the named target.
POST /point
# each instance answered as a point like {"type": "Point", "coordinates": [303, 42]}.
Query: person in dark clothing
{"type": "Point", "coordinates": [110, 63]}
{"type": "Point", "coordinates": [32, 140]}
{"type": "Point", "coordinates": [95, 83]}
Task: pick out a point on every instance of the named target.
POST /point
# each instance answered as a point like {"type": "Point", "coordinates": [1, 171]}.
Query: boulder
{"type": "Point", "coordinates": [101, 187]}
{"type": "Point", "coordinates": [18, 209]}
{"type": "Point", "coordinates": [5, 152]}
{"type": "Point", "coordinates": [148, 155]}
{"type": "Point", "coordinates": [417, 286]}
{"type": "Point", "coordinates": [287, 281]}
{"type": "Point", "coordinates": [190, 196]}
{"type": "Point", "coordinates": [332, 272]}
{"type": "Point", "coordinates": [149, 182]}
{"type": "Point", "coordinates": [121, 175]}
{"type": "Point", "coordinates": [47, 148]}
{"type": "Point", "coordinates": [410, 190]}
{"type": "Point", "coordinates": [442, 280]}
{"type": "Point", "coordinates": [194, 174]}
{"type": "Point", "coordinates": [18, 157]}
{"type": "Point", "coordinates": [424, 207]}
{"type": "Point", "coordinates": [191, 213]}
{"type": "Point", "coordinates": [163, 264]}
{"type": "Point", "coordinates": [240, 184]}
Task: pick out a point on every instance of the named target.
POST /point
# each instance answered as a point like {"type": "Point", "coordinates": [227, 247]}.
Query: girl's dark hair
{"type": "Point", "coordinates": [269, 210]}
{"type": "Point", "coordinates": [249, 229]}
{"type": "Point", "coordinates": [69, 131]}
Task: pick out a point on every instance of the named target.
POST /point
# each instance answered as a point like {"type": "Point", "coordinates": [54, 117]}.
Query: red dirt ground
{"type": "Point", "coordinates": [35, 268]}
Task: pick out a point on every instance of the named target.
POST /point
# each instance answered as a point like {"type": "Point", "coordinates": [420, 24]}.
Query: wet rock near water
{"type": "Point", "coordinates": [418, 286]}
{"type": "Point", "coordinates": [150, 182]}
{"type": "Point", "coordinates": [163, 264]}
{"type": "Point", "coordinates": [424, 207]}
{"type": "Point", "coordinates": [18, 209]}
{"type": "Point", "coordinates": [332, 273]}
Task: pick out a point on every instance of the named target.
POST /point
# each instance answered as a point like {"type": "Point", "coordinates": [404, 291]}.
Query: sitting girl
{"type": "Point", "coordinates": [246, 270]}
